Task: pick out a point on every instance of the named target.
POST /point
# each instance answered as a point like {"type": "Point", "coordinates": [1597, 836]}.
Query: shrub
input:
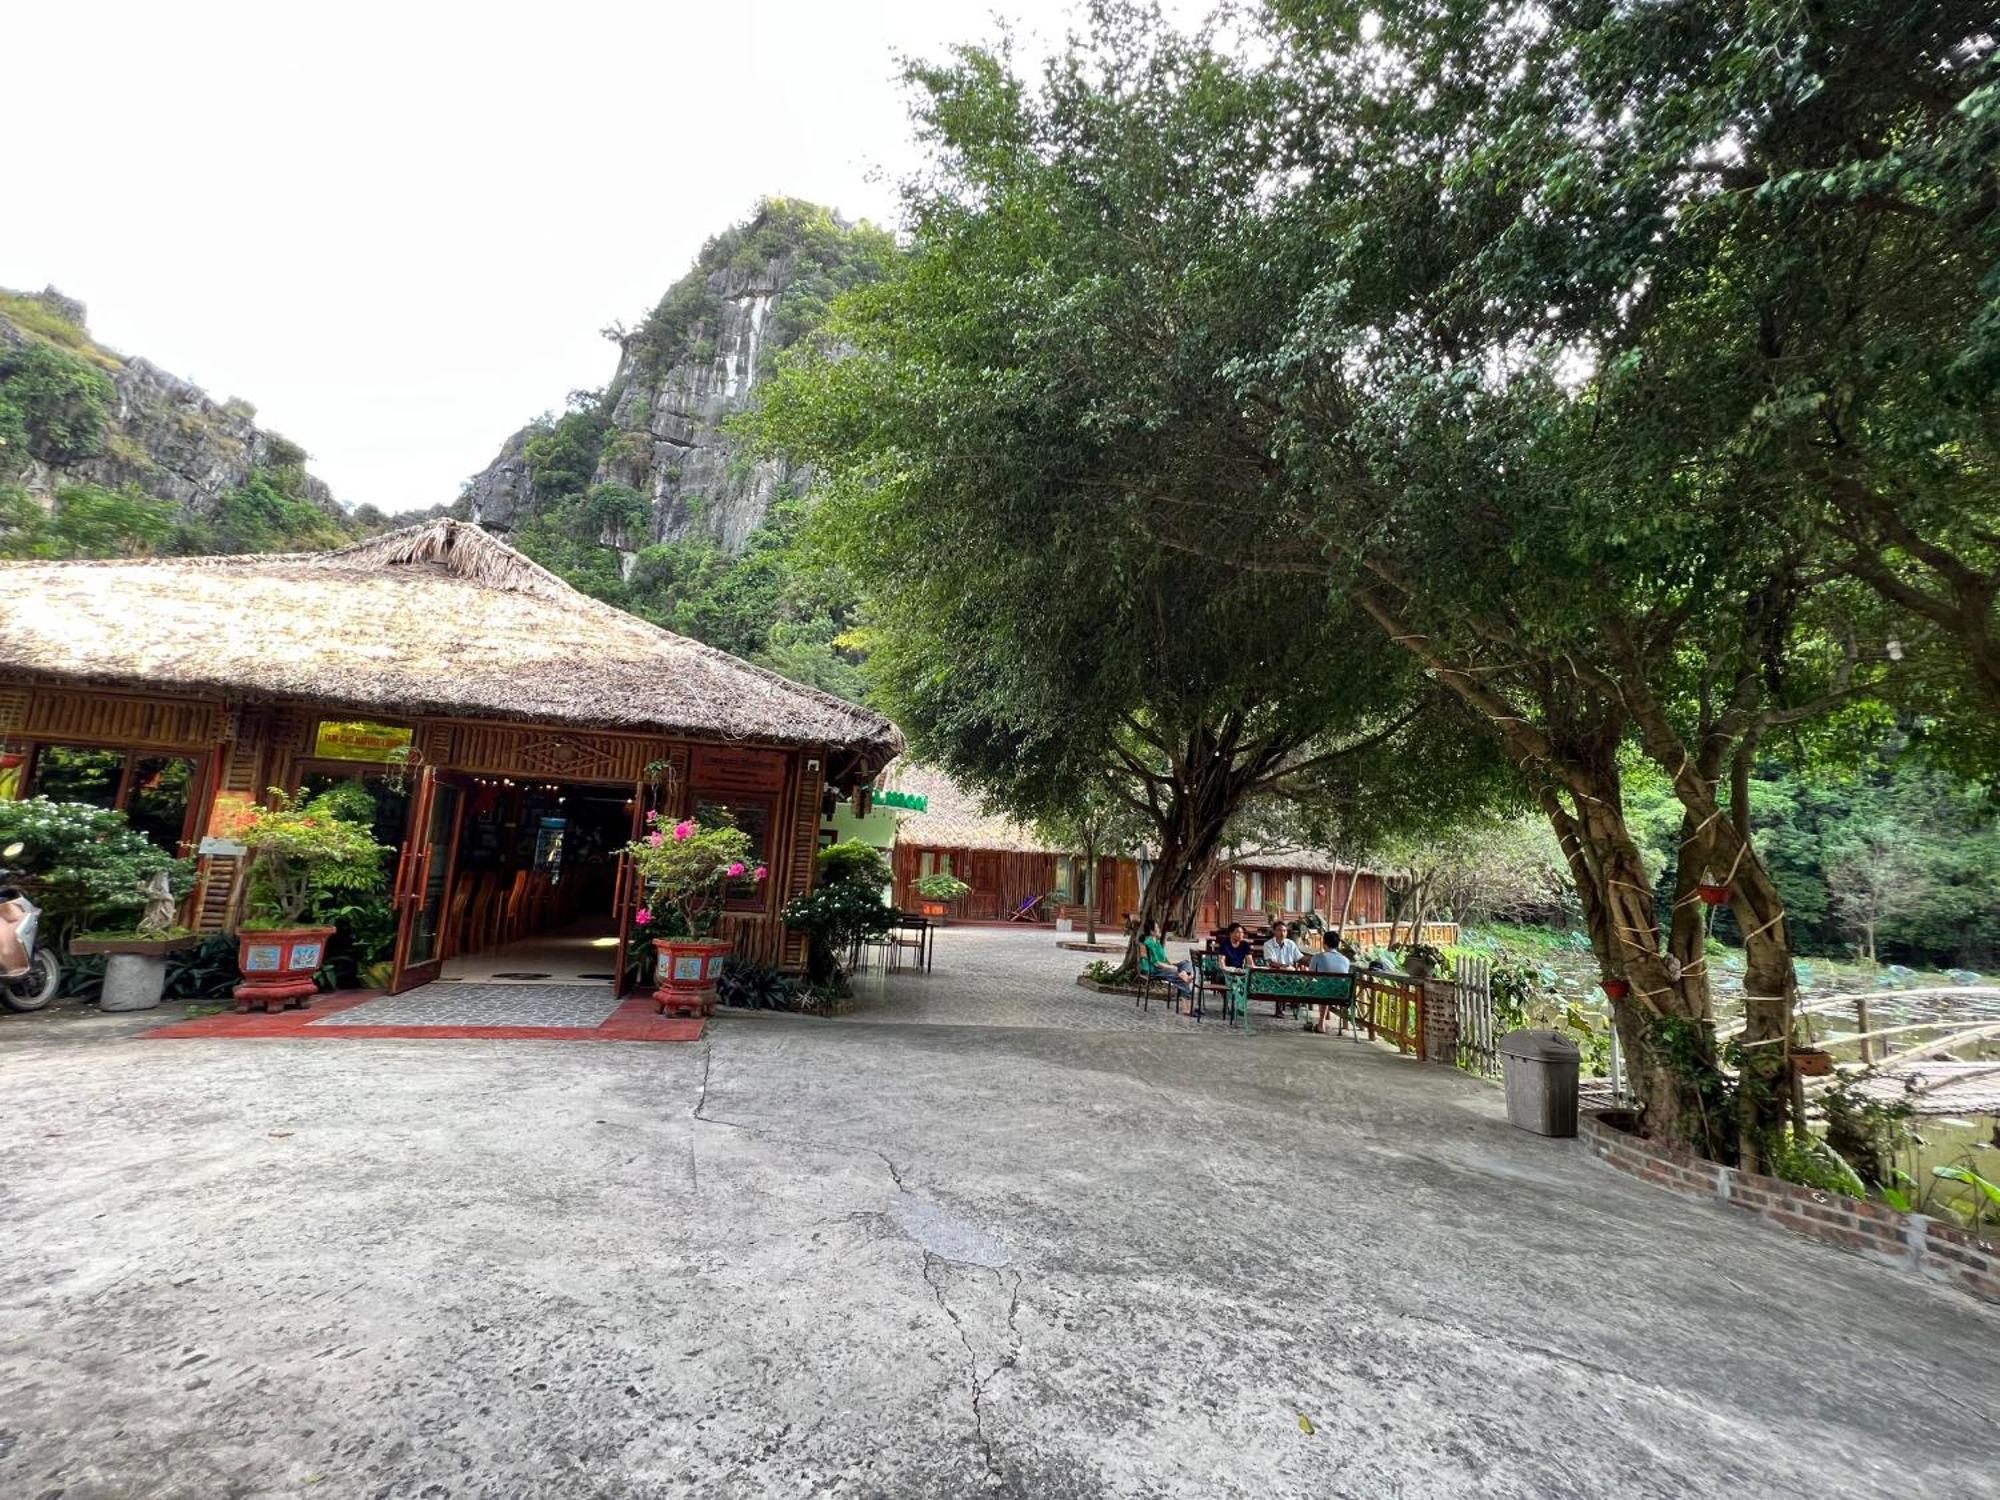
{"type": "Point", "coordinates": [835, 918]}
{"type": "Point", "coordinates": [84, 864]}
{"type": "Point", "coordinates": [855, 860]}
{"type": "Point", "coordinates": [946, 888]}
{"type": "Point", "coordinates": [58, 403]}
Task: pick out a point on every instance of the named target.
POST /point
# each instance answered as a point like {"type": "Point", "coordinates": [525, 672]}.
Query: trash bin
{"type": "Point", "coordinates": [1540, 1069]}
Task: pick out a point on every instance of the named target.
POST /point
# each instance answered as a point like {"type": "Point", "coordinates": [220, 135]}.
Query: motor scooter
{"type": "Point", "coordinates": [30, 975]}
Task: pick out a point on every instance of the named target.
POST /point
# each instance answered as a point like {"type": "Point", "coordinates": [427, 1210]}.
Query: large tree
{"type": "Point", "coordinates": [993, 428]}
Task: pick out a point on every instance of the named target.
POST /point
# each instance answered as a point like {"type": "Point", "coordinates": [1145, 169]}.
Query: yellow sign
{"type": "Point", "coordinates": [357, 739]}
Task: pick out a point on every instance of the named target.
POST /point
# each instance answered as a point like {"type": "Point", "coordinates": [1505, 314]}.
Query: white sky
{"type": "Point", "coordinates": [397, 228]}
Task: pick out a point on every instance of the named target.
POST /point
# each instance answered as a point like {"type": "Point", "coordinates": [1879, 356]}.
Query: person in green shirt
{"type": "Point", "coordinates": [1153, 953]}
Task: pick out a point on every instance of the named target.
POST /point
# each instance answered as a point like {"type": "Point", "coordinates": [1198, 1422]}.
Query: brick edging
{"type": "Point", "coordinates": [1913, 1243]}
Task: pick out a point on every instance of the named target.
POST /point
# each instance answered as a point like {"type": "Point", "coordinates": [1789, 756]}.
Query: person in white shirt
{"type": "Point", "coordinates": [1280, 952]}
{"type": "Point", "coordinates": [1332, 959]}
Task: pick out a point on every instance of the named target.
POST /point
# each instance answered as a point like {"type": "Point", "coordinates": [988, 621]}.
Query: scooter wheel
{"type": "Point", "coordinates": [35, 988]}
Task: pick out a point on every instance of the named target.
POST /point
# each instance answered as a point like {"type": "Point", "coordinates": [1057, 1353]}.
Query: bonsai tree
{"type": "Point", "coordinates": [944, 888]}
{"type": "Point", "coordinates": [86, 865]}
{"type": "Point", "coordinates": [685, 870]}
{"type": "Point", "coordinates": [303, 853]}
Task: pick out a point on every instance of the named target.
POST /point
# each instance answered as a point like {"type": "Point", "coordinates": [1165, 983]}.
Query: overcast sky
{"type": "Point", "coordinates": [396, 228]}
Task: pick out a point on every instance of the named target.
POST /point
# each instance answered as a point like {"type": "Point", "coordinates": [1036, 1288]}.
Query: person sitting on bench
{"type": "Point", "coordinates": [1153, 953]}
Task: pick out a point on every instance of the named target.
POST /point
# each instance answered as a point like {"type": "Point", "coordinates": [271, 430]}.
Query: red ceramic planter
{"type": "Point", "coordinates": [1616, 989]}
{"type": "Point", "coordinates": [278, 966]}
{"type": "Point", "coordinates": [1713, 895]}
{"type": "Point", "coordinates": [688, 970]}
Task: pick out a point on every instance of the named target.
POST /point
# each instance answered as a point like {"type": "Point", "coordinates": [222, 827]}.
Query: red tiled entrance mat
{"type": "Point", "coordinates": [633, 1021]}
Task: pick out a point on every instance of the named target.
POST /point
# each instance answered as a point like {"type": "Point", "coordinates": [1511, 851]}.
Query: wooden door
{"type": "Point", "coordinates": [424, 876]}
{"type": "Point", "coordinates": [634, 941]}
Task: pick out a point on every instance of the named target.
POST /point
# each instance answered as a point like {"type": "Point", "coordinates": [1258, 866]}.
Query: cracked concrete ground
{"type": "Point", "coordinates": [900, 1259]}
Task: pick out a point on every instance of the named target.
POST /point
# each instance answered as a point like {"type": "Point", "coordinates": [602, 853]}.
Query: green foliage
{"type": "Point", "coordinates": [685, 869]}
{"type": "Point", "coordinates": [207, 971]}
{"type": "Point", "coordinates": [84, 865]}
{"type": "Point", "coordinates": [996, 428]}
{"type": "Point", "coordinates": [853, 860]}
{"type": "Point", "coordinates": [53, 406]}
{"type": "Point", "coordinates": [86, 520]}
{"type": "Point", "coordinates": [945, 888]}
{"type": "Point", "coordinates": [307, 853]}
{"type": "Point", "coordinates": [44, 323]}
{"type": "Point", "coordinates": [1525, 994]}
{"type": "Point", "coordinates": [267, 513]}
{"type": "Point", "coordinates": [835, 918]}
{"type": "Point", "coordinates": [755, 986]}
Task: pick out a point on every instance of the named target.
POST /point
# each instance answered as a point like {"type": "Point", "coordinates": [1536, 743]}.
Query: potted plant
{"type": "Point", "coordinates": [684, 872]}
{"type": "Point", "coordinates": [135, 962]}
{"type": "Point", "coordinates": [302, 854]}
{"type": "Point", "coordinates": [1712, 893]}
{"type": "Point", "coordinates": [939, 892]}
{"type": "Point", "coordinates": [1812, 1062]}
{"type": "Point", "coordinates": [1615, 989]}
{"type": "Point", "coordinates": [1420, 960]}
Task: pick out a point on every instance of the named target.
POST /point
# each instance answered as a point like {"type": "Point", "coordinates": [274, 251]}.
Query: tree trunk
{"type": "Point", "coordinates": [1347, 896]}
{"type": "Point", "coordinates": [1090, 884]}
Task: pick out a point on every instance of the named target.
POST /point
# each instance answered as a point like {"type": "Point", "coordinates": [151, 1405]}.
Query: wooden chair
{"type": "Point", "coordinates": [454, 921]}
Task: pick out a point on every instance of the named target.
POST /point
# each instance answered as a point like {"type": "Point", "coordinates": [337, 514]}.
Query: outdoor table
{"type": "Point", "coordinates": [1282, 987]}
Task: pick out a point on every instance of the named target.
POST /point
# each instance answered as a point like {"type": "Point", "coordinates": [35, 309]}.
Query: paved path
{"type": "Point", "coordinates": [876, 1258]}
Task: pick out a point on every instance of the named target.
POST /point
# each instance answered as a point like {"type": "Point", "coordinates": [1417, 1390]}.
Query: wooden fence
{"type": "Point", "coordinates": [1390, 1007]}
{"type": "Point", "coordinates": [1478, 1046]}
{"type": "Point", "coordinates": [1375, 934]}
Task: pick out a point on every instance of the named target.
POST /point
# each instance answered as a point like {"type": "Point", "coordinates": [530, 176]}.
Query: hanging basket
{"type": "Point", "coordinates": [1712, 895]}
{"type": "Point", "coordinates": [1812, 1062]}
{"type": "Point", "coordinates": [1615, 989]}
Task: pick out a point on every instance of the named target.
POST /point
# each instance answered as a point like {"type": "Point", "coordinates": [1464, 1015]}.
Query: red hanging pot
{"type": "Point", "coordinates": [1712, 895]}
{"type": "Point", "coordinates": [1616, 989]}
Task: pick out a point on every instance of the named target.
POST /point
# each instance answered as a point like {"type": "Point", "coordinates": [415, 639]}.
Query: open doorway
{"type": "Point", "coordinates": [513, 881]}
{"type": "Point", "coordinates": [534, 896]}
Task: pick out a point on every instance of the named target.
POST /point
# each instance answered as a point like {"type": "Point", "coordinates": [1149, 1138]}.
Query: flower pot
{"type": "Point", "coordinates": [1812, 1062]}
{"type": "Point", "coordinates": [278, 966]}
{"type": "Point", "coordinates": [1615, 989]}
{"type": "Point", "coordinates": [688, 970]}
{"type": "Point", "coordinates": [1712, 895]}
{"type": "Point", "coordinates": [933, 908]}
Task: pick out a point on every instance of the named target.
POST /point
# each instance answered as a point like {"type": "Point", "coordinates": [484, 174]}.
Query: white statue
{"type": "Point", "coordinates": [157, 920]}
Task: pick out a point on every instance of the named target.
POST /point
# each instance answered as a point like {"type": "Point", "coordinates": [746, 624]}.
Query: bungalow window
{"type": "Point", "coordinates": [754, 818]}
{"type": "Point", "coordinates": [1239, 892]}
{"type": "Point", "coordinates": [1298, 893]}
{"type": "Point", "coordinates": [153, 791]}
{"type": "Point", "coordinates": [1256, 890]}
{"type": "Point", "coordinates": [931, 862]}
{"type": "Point", "coordinates": [1066, 879]}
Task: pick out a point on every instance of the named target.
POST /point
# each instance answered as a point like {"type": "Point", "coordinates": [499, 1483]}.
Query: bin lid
{"type": "Point", "coordinates": [1539, 1046]}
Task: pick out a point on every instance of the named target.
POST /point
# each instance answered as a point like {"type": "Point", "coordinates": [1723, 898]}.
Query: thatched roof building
{"type": "Point", "coordinates": [954, 819]}
{"type": "Point", "coordinates": [439, 618]}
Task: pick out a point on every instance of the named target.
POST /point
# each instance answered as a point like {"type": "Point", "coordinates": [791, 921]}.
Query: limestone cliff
{"type": "Point", "coordinates": [134, 424]}
{"type": "Point", "coordinates": [655, 432]}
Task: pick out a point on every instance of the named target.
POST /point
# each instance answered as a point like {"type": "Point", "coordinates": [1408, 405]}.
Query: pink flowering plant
{"type": "Point", "coordinates": [685, 870]}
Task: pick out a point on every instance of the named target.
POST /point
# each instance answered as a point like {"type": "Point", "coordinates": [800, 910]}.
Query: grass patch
{"type": "Point", "coordinates": [37, 319]}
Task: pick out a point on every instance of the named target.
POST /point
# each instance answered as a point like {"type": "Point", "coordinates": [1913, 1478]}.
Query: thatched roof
{"type": "Point", "coordinates": [954, 818]}
{"type": "Point", "coordinates": [436, 618]}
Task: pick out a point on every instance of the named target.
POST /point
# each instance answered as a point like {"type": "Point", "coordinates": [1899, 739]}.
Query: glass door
{"type": "Point", "coordinates": [423, 880]}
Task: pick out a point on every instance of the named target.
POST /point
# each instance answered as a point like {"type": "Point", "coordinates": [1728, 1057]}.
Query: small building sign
{"type": "Point", "coordinates": [358, 739]}
{"type": "Point", "coordinates": [908, 801]}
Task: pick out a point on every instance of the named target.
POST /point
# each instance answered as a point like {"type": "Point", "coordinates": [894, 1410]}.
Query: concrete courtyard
{"type": "Point", "coordinates": [990, 1235]}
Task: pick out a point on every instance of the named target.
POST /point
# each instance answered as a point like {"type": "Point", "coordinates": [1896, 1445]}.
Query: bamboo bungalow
{"type": "Point", "coordinates": [1008, 864]}
{"type": "Point", "coordinates": [513, 731]}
